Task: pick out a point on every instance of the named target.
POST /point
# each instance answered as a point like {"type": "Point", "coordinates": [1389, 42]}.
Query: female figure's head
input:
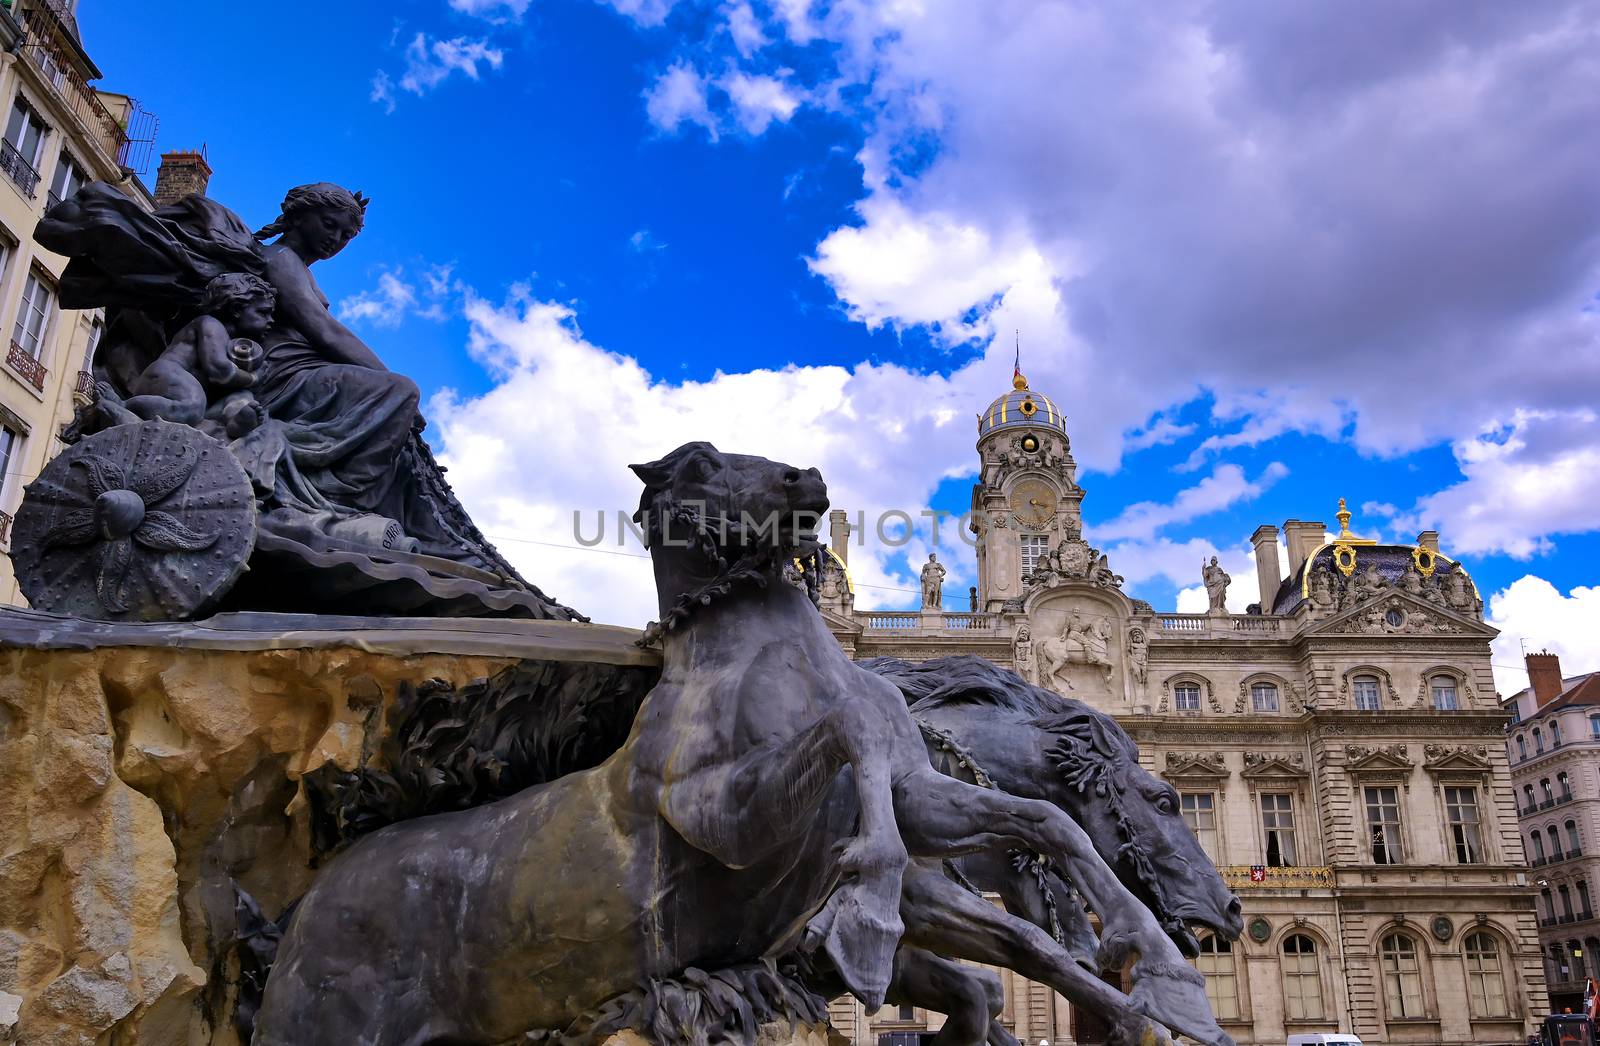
{"type": "Point", "coordinates": [317, 220]}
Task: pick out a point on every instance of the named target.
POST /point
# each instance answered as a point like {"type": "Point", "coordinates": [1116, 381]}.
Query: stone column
{"type": "Point", "coordinates": [1303, 537]}
{"type": "Point", "coordinates": [839, 535]}
{"type": "Point", "coordinates": [1265, 541]}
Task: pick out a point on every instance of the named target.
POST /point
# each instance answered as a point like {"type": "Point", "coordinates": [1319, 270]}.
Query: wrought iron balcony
{"type": "Point", "coordinates": [17, 169]}
{"type": "Point", "coordinates": [85, 386]}
{"type": "Point", "coordinates": [19, 360]}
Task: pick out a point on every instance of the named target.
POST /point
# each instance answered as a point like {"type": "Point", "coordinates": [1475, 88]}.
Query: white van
{"type": "Point", "coordinates": [1324, 1039]}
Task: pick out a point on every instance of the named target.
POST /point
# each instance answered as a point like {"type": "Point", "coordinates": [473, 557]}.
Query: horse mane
{"type": "Point", "coordinates": [966, 679]}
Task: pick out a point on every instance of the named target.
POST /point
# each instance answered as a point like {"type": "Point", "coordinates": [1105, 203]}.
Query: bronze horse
{"type": "Point", "coordinates": [989, 725]}
{"type": "Point", "coordinates": [708, 838]}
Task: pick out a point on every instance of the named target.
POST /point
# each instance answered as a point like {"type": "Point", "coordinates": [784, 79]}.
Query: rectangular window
{"type": "Point", "coordinates": [33, 315]}
{"type": "Point", "coordinates": [10, 444]}
{"type": "Point", "coordinates": [1034, 548]}
{"type": "Point", "coordinates": [1264, 697]}
{"type": "Point", "coordinates": [1200, 814]}
{"type": "Point", "coordinates": [1383, 825]}
{"type": "Point", "coordinates": [1277, 821]}
{"type": "Point", "coordinates": [1366, 691]}
{"type": "Point", "coordinates": [1186, 697]}
{"type": "Point", "coordinates": [68, 179]}
{"type": "Point", "coordinates": [1444, 695]}
{"type": "Point", "coordinates": [1594, 726]}
{"type": "Point", "coordinates": [25, 133]}
{"type": "Point", "coordinates": [1466, 834]}
{"type": "Point", "coordinates": [1215, 962]}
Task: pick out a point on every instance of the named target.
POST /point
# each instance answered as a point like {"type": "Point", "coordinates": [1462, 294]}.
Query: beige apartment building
{"type": "Point", "coordinates": [1339, 751]}
{"type": "Point", "coordinates": [1553, 744]}
{"type": "Point", "coordinates": [59, 133]}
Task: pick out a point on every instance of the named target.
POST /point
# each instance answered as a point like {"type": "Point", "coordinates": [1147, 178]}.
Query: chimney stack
{"type": "Point", "coordinates": [1429, 539]}
{"type": "Point", "coordinates": [839, 535]}
{"type": "Point", "coordinates": [182, 173]}
{"type": "Point", "coordinates": [1265, 540]}
{"type": "Point", "coordinates": [1303, 539]}
{"type": "Point", "coordinates": [1544, 677]}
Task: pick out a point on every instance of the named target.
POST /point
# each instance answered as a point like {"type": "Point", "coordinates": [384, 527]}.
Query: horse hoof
{"type": "Point", "coordinates": [1176, 996]}
{"type": "Point", "coordinates": [862, 943]}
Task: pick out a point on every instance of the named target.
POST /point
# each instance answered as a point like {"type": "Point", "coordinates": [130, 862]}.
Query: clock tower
{"type": "Point", "coordinates": [1027, 499]}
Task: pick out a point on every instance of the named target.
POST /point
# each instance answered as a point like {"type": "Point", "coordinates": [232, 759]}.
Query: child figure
{"type": "Point", "coordinates": [214, 351]}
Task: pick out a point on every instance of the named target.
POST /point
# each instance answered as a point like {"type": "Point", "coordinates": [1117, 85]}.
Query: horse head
{"type": "Point", "coordinates": [1033, 742]}
{"type": "Point", "coordinates": [1100, 782]}
{"type": "Point", "coordinates": [713, 520]}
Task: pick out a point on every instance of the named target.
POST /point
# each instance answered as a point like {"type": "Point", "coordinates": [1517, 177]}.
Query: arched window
{"type": "Point", "coordinates": [1402, 976]}
{"type": "Point", "coordinates": [1555, 733]}
{"type": "Point", "coordinates": [1585, 909]}
{"type": "Point", "coordinates": [1555, 842]}
{"type": "Point", "coordinates": [1563, 786]}
{"type": "Point", "coordinates": [1574, 848]}
{"type": "Point", "coordinates": [1527, 790]}
{"type": "Point", "coordinates": [1186, 697]}
{"type": "Point", "coordinates": [1544, 790]}
{"type": "Point", "coordinates": [1302, 980]}
{"type": "Point", "coordinates": [1366, 692]}
{"type": "Point", "coordinates": [1575, 950]}
{"type": "Point", "coordinates": [1566, 902]}
{"type": "Point", "coordinates": [1263, 697]}
{"type": "Point", "coordinates": [1222, 977]}
{"type": "Point", "coordinates": [1486, 980]}
{"type": "Point", "coordinates": [1445, 698]}
{"type": "Point", "coordinates": [1538, 846]}
{"type": "Point", "coordinates": [1549, 902]}
{"type": "Point", "coordinates": [1522, 744]}
{"type": "Point", "coordinates": [1594, 726]}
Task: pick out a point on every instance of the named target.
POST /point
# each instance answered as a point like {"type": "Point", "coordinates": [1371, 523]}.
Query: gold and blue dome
{"type": "Point", "coordinates": [1021, 408]}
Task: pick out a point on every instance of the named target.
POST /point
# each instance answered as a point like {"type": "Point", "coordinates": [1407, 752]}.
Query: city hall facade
{"type": "Point", "coordinates": [1339, 751]}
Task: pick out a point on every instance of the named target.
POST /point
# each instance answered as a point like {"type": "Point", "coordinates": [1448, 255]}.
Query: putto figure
{"type": "Point", "coordinates": [214, 352]}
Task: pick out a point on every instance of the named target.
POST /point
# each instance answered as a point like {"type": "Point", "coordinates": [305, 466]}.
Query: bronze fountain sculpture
{"type": "Point", "coordinates": [761, 824]}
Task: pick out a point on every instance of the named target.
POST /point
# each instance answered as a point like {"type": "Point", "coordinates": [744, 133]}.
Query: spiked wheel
{"type": "Point", "coordinates": [140, 522]}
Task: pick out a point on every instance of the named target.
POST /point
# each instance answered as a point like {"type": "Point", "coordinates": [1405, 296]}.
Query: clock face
{"type": "Point", "coordinates": [1034, 503]}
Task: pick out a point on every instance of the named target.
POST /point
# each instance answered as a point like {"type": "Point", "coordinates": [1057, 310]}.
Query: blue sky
{"type": "Point", "coordinates": [1263, 257]}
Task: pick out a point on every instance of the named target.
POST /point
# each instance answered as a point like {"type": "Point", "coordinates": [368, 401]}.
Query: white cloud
{"type": "Point", "coordinates": [647, 13]}
{"type": "Point", "coordinates": [744, 27]}
{"type": "Point", "coordinates": [678, 96]}
{"type": "Point", "coordinates": [644, 241]}
{"type": "Point", "coordinates": [1532, 612]}
{"type": "Point", "coordinates": [1225, 486]}
{"type": "Point", "coordinates": [383, 91]}
{"type": "Point", "coordinates": [429, 62]}
{"type": "Point", "coordinates": [394, 298]}
{"type": "Point", "coordinates": [492, 10]}
{"type": "Point", "coordinates": [824, 416]}
{"type": "Point", "coordinates": [1536, 477]}
{"type": "Point", "coordinates": [1252, 201]}
{"type": "Point", "coordinates": [759, 100]}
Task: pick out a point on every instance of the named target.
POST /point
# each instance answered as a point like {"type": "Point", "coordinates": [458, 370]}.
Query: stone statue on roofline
{"type": "Point", "coordinates": [220, 351]}
{"type": "Point", "coordinates": [1216, 581]}
{"type": "Point", "coordinates": [933, 583]}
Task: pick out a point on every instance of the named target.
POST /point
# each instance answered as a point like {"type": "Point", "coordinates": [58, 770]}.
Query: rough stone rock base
{"type": "Point", "coordinates": [137, 780]}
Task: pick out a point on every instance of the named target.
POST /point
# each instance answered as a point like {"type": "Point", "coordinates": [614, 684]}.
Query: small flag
{"type": "Point", "coordinates": [1258, 873]}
